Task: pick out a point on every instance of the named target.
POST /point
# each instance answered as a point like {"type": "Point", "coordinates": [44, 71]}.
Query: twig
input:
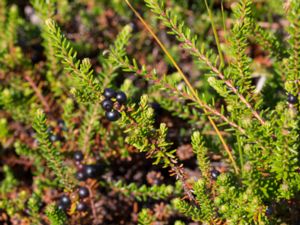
{"type": "Point", "coordinates": [203, 58]}
{"type": "Point", "coordinates": [187, 83]}
{"type": "Point", "coordinates": [222, 61]}
{"type": "Point", "coordinates": [86, 138]}
{"type": "Point", "coordinates": [21, 161]}
{"type": "Point", "coordinates": [180, 175]}
{"type": "Point", "coordinates": [92, 202]}
{"type": "Point", "coordinates": [38, 93]}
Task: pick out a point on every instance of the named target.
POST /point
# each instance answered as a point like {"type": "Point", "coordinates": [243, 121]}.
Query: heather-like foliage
{"type": "Point", "coordinates": [178, 112]}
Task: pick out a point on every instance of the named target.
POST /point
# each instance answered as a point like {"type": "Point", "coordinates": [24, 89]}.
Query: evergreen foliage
{"type": "Point", "coordinates": [143, 193]}
{"type": "Point", "coordinates": [204, 126]}
{"type": "Point", "coordinates": [50, 153]}
{"type": "Point", "coordinates": [55, 215]}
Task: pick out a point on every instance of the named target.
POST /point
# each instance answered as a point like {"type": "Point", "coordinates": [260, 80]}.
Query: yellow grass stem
{"type": "Point", "coordinates": [192, 90]}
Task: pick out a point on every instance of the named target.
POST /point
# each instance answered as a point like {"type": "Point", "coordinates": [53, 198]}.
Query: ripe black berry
{"type": "Point", "coordinates": [83, 192]}
{"type": "Point", "coordinates": [81, 176]}
{"type": "Point", "coordinates": [121, 97]}
{"type": "Point", "coordinates": [49, 130]}
{"type": "Point", "coordinates": [78, 156]}
{"type": "Point", "coordinates": [112, 115]}
{"type": "Point", "coordinates": [62, 125]}
{"type": "Point", "coordinates": [90, 171]}
{"type": "Point", "coordinates": [107, 105]}
{"type": "Point", "coordinates": [109, 93]}
{"type": "Point", "coordinates": [62, 207]}
{"type": "Point", "coordinates": [81, 207]}
{"type": "Point", "coordinates": [65, 201]}
{"type": "Point", "coordinates": [269, 210]}
{"type": "Point", "coordinates": [214, 174]}
{"type": "Point", "coordinates": [292, 99]}
{"type": "Point", "coordinates": [54, 138]}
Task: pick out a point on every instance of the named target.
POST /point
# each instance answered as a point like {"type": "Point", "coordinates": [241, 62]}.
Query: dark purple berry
{"type": "Point", "coordinates": [113, 115]}
{"type": "Point", "coordinates": [62, 125]}
{"type": "Point", "coordinates": [65, 201]}
{"type": "Point", "coordinates": [62, 207]}
{"type": "Point", "coordinates": [54, 138]}
{"type": "Point", "coordinates": [269, 211]}
{"type": "Point", "coordinates": [109, 93]}
{"type": "Point", "coordinates": [78, 156]}
{"type": "Point", "coordinates": [121, 97]}
{"type": "Point", "coordinates": [214, 174]}
{"type": "Point", "coordinates": [134, 27]}
{"type": "Point", "coordinates": [107, 105]}
{"type": "Point", "coordinates": [49, 130]}
{"type": "Point", "coordinates": [83, 192]}
{"type": "Point", "coordinates": [32, 134]}
{"type": "Point", "coordinates": [156, 106]}
{"type": "Point", "coordinates": [81, 176]}
{"type": "Point", "coordinates": [90, 171]}
{"type": "Point", "coordinates": [81, 207]}
{"type": "Point", "coordinates": [292, 99]}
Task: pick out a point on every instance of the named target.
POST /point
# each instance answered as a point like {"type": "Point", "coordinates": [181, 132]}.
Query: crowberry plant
{"type": "Point", "coordinates": [78, 156]}
{"type": "Point", "coordinates": [81, 176]}
{"type": "Point", "coordinates": [81, 207]}
{"type": "Point", "coordinates": [109, 93]}
{"type": "Point", "coordinates": [90, 170]}
{"type": "Point", "coordinates": [180, 112]}
{"type": "Point", "coordinates": [107, 105]}
{"type": "Point", "coordinates": [214, 174]}
{"type": "Point", "coordinates": [121, 97]}
{"type": "Point", "coordinates": [83, 192]}
{"type": "Point", "coordinates": [292, 99]}
{"type": "Point", "coordinates": [112, 115]}
{"type": "Point", "coordinates": [65, 202]}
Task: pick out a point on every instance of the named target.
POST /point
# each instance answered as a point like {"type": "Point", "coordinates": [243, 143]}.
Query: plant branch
{"type": "Point", "coordinates": [191, 46]}
{"type": "Point", "coordinates": [187, 83]}
{"type": "Point", "coordinates": [38, 93]}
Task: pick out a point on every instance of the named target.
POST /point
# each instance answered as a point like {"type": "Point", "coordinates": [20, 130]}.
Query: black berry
{"type": "Point", "coordinates": [214, 174]}
{"type": "Point", "coordinates": [65, 201]}
{"type": "Point", "coordinates": [54, 138]}
{"type": "Point", "coordinates": [90, 171]}
{"type": "Point", "coordinates": [121, 97]}
{"type": "Point", "coordinates": [109, 93]}
{"type": "Point", "coordinates": [83, 192]}
{"type": "Point", "coordinates": [292, 99]}
{"type": "Point", "coordinates": [81, 176]}
{"type": "Point", "coordinates": [81, 207]}
{"type": "Point", "coordinates": [62, 125]}
{"type": "Point", "coordinates": [78, 156]}
{"type": "Point", "coordinates": [133, 27]}
{"type": "Point", "coordinates": [269, 210]}
{"type": "Point", "coordinates": [112, 115]}
{"type": "Point", "coordinates": [107, 105]}
{"type": "Point", "coordinates": [62, 207]}
{"type": "Point", "coordinates": [49, 130]}
{"type": "Point", "coordinates": [157, 107]}
{"type": "Point", "coordinates": [32, 134]}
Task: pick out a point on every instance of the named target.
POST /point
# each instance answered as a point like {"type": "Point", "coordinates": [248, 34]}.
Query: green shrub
{"type": "Point", "coordinates": [178, 112]}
